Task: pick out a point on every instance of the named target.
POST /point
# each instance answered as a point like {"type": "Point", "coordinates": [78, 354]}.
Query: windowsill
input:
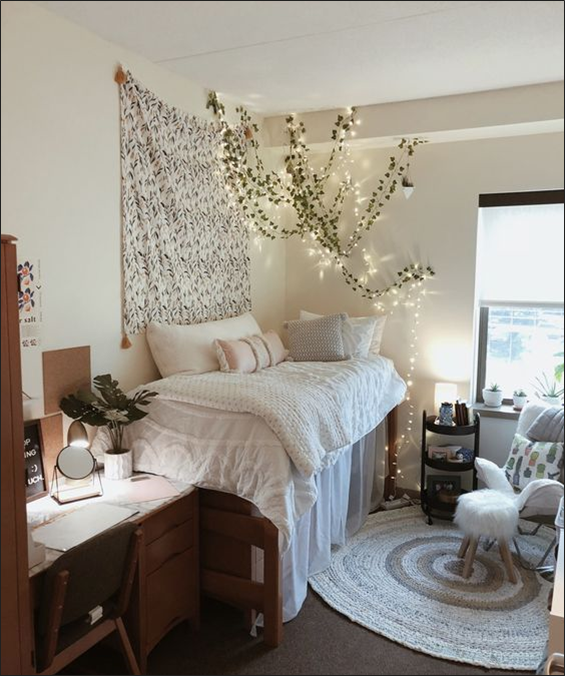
{"type": "Point", "coordinates": [504, 411]}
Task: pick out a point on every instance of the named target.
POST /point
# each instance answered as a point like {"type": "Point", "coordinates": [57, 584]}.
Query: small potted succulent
{"type": "Point", "coordinates": [519, 399]}
{"type": "Point", "coordinates": [548, 390]}
{"type": "Point", "coordinates": [493, 396]}
{"type": "Point", "coordinates": [113, 409]}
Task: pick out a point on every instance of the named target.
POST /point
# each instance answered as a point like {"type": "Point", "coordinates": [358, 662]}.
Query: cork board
{"type": "Point", "coordinates": [64, 372]}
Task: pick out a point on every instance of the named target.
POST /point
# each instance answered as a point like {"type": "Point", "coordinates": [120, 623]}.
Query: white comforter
{"type": "Point", "coordinates": [314, 408]}
{"type": "Point", "coordinates": [227, 448]}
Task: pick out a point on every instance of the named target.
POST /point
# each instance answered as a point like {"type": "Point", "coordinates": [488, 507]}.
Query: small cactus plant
{"type": "Point", "coordinates": [493, 395]}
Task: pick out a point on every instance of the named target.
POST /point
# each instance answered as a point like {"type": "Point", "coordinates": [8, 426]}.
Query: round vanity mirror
{"type": "Point", "coordinates": [75, 463]}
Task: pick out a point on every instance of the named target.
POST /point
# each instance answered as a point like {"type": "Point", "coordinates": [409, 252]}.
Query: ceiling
{"type": "Point", "coordinates": [279, 57]}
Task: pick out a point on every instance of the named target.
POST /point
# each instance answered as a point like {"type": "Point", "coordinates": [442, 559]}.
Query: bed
{"type": "Point", "coordinates": [287, 461]}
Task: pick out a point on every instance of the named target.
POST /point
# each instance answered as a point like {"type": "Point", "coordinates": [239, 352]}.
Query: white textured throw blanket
{"type": "Point", "coordinates": [314, 408]}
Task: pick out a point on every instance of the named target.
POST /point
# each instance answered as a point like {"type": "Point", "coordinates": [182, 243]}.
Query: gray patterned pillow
{"type": "Point", "coordinates": [548, 426]}
{"type": "Point", "coordinates": [317, 340]}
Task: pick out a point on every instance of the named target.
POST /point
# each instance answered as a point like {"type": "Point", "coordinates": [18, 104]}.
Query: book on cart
{"type": "Point", "coordinates": [461, 413]}
{"type": "Point", "coordinates": [450, 453]}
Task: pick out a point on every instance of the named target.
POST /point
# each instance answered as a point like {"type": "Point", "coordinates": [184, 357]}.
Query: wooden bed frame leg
{"type": "Point", "coordinates": [272, 610]}
{"type": "Point", "coordinates": [391, 479]}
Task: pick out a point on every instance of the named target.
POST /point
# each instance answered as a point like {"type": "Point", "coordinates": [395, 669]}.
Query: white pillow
{"type": "Point", "coordinates": [190, 348]}
{"type": "Point", "coordinates": [493, 476]}
{"type": "Point", "coordinates": [362, 335]}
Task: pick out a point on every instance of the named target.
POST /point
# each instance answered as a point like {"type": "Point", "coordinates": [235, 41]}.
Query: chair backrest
{"type": "Point", "coordinates": [96, 570]}
{"type": "Point", "coordinates": [527, 417]}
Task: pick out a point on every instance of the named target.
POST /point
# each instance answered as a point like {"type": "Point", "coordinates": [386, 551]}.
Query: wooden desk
{"type": "Point", "coordinates": [166, 590]}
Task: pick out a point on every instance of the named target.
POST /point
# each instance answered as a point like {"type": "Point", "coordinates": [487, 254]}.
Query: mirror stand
{"type": "Point", "coordinates": [75, 476]}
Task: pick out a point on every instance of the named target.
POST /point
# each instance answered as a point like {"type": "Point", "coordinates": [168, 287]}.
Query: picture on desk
{"type": "Point", "coordinates": [36, 485]}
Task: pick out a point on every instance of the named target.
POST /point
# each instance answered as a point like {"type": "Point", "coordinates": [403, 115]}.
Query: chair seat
{"type": "Point", "coordinates": [487, 512]}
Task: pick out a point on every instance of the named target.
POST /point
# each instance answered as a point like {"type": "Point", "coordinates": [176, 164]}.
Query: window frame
{"type": "Point", "coordinates": [483, 326]}
{"type": "Point", "coordinates": [535, 197]}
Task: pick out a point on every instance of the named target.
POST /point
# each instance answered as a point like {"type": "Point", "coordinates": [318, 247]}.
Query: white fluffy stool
{"type": "Point", "coordinates": [490, 513]}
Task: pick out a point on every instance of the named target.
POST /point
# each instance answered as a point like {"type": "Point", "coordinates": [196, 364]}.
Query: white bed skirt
{"type": "Point", "coordinates": [347, 492]}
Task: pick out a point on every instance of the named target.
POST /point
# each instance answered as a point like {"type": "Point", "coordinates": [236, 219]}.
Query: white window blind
{"type": "Point", "coordinates": [520, 257]}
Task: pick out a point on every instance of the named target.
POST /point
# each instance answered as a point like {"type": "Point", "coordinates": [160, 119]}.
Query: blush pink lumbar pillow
{"type": "Point", "coordinates": [275, 347]}
{"type": "Point", "coordinates": [250, 354]}
{"type": "Point", "coordinates": [235, 356]}
{"type": "Point", "coordinates": [260, 351]}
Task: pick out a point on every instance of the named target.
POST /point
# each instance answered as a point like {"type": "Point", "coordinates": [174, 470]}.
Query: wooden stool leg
{"type": "Point", "coordinates": [473, 546]}
{"type": "Point", "coordinates": [464, 546]}
{"type": "Point", "coordinates": [507, 560]}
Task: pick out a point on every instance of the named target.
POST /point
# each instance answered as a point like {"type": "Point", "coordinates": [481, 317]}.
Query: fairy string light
{"type": "Point", "coordinates": [317, 194]}
{"type": "Point", "coordinates": [318, 208]}
{"type": "Point", "coordinates": [413, 303]}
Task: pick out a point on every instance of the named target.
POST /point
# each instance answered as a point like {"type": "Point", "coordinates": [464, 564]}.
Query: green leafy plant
{"type": "Point", "coordinates": [559, 368]}
{"type": "Point", "coordinates": [494, 388]}
{"type": "Point", "coordinates": [545, 387]}
{"type": "Point", "coordinates": [304, 190]}
{"type": "Point", "coordinates": [519, 392]}
{"type": "Point", "coordinates": [111, 408]}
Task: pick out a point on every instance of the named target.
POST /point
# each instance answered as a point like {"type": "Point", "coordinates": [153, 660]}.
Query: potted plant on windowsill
{"type": "Point", "coordinates": [519, 399]}
{"type": "Point", "coordinates": [113, 409]}
{"type": "Point", "coordinates": [493, 396]}
{"type": "Point", "coordinates": [559, 368]}
{"type": "Point", "coordinates": [548, 390]}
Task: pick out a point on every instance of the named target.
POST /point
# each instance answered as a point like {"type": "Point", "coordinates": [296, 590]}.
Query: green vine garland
{"type": "Point", "coordinates": [317, 214]}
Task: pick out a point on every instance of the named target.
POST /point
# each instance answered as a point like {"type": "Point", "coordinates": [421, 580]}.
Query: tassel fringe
{"type": "Point", "coordinates": [126, 343]}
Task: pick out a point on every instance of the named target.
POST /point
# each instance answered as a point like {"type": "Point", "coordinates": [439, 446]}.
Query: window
{"type": "Point", "coordinates": [519, 289]}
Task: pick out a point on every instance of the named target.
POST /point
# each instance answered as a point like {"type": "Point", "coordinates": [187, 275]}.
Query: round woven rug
{"type": "Point", "coordinates": [402, 579]}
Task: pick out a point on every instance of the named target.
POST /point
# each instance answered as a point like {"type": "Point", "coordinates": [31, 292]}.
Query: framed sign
{"type": "Point", "coordinates": [36, 484]}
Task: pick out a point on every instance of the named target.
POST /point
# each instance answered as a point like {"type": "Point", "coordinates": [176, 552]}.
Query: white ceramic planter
{"type": "Point", "coordinates": [552, 401]}
{"type": "Point", "coordinates": [519, 402]}
{"type": "Point", "coordinates": [492, 398]}
{"type": "Point", "coordinates": [118, 466]}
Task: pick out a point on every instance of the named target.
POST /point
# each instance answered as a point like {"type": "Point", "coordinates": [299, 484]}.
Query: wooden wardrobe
{"type": "Point", "coordinates": [15, 655]}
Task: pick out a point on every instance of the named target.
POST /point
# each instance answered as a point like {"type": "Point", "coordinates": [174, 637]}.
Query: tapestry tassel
{"type": "Point", "coordinates": [126, 343]}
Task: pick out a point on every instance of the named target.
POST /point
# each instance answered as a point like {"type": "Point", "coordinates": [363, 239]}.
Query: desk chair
{"type": "Point", "coordinates": [97, 573]}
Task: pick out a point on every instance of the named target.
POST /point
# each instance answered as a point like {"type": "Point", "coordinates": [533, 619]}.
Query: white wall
{"type": "Point", "coordinates": [437, 225]}
{"type": "Point", "coordinates": [61, 186]}
{"type": "Point", "coordinates": [61, 198]}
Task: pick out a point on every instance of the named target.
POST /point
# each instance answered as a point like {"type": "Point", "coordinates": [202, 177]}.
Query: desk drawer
{"type": "Point", "coordinates": [172, 543]}
{"type": "Point", "coordinates": [171, 595]}
{"type": "Point", "coordinates": [169, 518]}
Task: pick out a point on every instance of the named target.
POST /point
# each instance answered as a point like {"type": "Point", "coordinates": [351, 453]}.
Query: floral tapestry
{"type": "Point", "coordinates": [185, 244]}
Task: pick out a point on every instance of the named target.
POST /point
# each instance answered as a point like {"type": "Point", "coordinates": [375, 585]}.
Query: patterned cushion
{"type": "Point", "coordinates": [362, 335]}
{"type": "Point", "coordinates": [261, 354]}
{"type": "Point", "coordinates": [548, 426]}
{"type": "Point", "coordinates": [530, 460]}
{"type": "Point", "coordinates": [275, 347]}
{"type": "Point", "coordinates": [317, 340]}
{"type": "Point", "coordinates": [250, 354]}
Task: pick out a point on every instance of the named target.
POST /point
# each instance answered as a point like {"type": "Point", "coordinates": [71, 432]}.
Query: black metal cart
{"type": "Point", "coordinates": [432, 506]}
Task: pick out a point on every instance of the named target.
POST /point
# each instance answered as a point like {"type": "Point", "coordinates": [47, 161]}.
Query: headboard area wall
{"type": "Point", "coordinates": [61, 197]}
{"type": "Point", "coordinates": [185, 243]}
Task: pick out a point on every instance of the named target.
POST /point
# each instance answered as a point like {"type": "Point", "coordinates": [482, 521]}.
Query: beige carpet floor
{"type": "Point", "coordinates": [318, 642]}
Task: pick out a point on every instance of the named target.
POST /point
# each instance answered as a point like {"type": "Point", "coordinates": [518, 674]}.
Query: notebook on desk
{"type": "Point", "coordinates": [78, 526]}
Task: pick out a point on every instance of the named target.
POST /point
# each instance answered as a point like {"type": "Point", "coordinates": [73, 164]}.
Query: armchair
{"type": "Point", "coordinates": [536, 499]}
